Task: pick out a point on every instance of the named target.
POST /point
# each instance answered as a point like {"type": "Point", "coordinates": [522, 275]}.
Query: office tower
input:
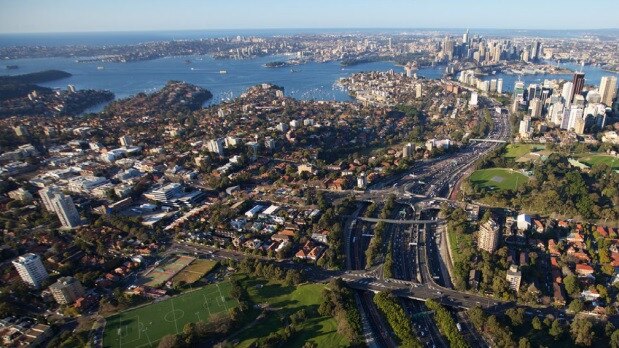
{"type": "Point", "coordinates": [575, 113]}
{"type": "Point", "coordinates": [125, 141]}
{"type": "Point", "coordinates": [555, 114]}
{"type": "Point", "coordinates": [535, 50]}
{"type": "Point", "coordinates": [608, 89]}
{"type": "Point", "coordinates": [519, 90]}
{"type": "Point", "coordinates": [525, 126]}
{"type": "Point", "coordinates": [216, 146]}
{"type": "Point", "coordinates": [566, 93]}
{"type": "Point", "coordinates": [546, 93]}
{"type": "Point", "coordinates": [31, 269]}
{"type": "Point", "coordinates": [514, 277]}
{"type": "Point", "coordinates": [534, 91]}
{"type": "Point", "coordinates": [407, 151]}
{"type": "Point", "coordinates": [579, 125]}
{"type": "Point", "coordinates": [493, 85]}
{"type": "Point", "coordinates": [66, 290]}
{"type": "Point", "coordinates": [465, 37]}
{"type": "Point", "coordinates": [499, 86]}
{"type": "Point", "coordinates": [578, 83]}
{"type": "Point", "coordinates": [448, 48]}
{"type": "Point", "coordinates": [536, 107]}
{"type": "Point", "coordinates": [488, 237]}
{"type": "Point", "coordinates": [66, 211]}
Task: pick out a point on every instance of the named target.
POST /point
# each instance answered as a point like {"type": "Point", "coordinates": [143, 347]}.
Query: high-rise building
{"type": "Point", "coordinates": [66, 211]}
{"type": "Point", "coordinates": [519, 90]}
{"type": "Point", "coordinates": [407, 151]}
{"type": "Point", "coordinates": [56, 201]}
{"type": "Point", "coordinates": [125, 141]}
{"type": "Point", "coordinates": [536, 107]}
{"type": "Point", "coordinates": [535, 50]}
{"type": "Point", "coordinates": [418, 91]}
{"type": "Point", "coordinates": [488, 237]}
{"type": "Point", "coordinates": [216, 146]}
{"type": "Point", "coordinates": [608, 89]}
{"type": "Point", "coordinates": [66, 290]}
{"type": "Point", "coordinates": [474, 99]}
{"type": "Point", "coordinates": [514, 277]}
{"type": "Point", "coordinates": [566, 93]}
{"type": "Point", "coordinates": [525, 127]}
{"type": "Point", "coordinates": [31, 269]}
{"type": "Point", "coordinates": [499, 86]}
{"type": "Point", "coordinates": [465, 37]}
{"type": "Point", "coordinates": [578, 83]}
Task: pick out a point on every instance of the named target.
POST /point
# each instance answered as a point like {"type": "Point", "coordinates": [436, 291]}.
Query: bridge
{"type": "Point", "coordinates": [400, 222]}
{"type": "Point", "coordinates": [489, 141]}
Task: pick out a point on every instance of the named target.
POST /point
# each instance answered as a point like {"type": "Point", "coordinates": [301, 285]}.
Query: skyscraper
{"type": "Point", "coordinates": [536, 107]}
{"type": "Point", "coordinates": [31, 269]}
{"type": "Point", "coordinates": [488, 237]}
{"type": "Point", "coordinates": [608, 89]}
{"type": "Point", "coordinates": [566, 93]}
{"type": "Point", "coordinates": [499, 86]}
{"type": "Point", "coordinates": [578, 83]}
{"type": "Point", "coordinates": [465, 37]}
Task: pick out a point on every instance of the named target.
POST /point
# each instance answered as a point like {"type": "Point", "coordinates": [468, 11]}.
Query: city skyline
{"type": "Point", "coordinates": [38, 16]}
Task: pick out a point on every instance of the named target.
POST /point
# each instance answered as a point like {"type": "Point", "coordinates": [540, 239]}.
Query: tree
{"type": "Point", "coordinates": [614, 339]}
{"type": "Point", "coordinates": [576, 306]}
{"type": "Point", "coordinates": [571, 285]}
{"type": "Point", "coordinates": [556, 330]}
{"type": "Point", "coordinates": [169, 341]}
{"type": "Point", "coordinates": [582, 331]}
{"type": "Point", "coordinates": [524, 343]}
{"type": "Point", "coordinates": [516, 315]}
{"type": "Point", "coordinates": [536, 323]}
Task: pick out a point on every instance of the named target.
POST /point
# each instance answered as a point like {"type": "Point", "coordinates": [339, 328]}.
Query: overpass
{"type": "Point", "coordinates": [489, 141]}
{"type": "Point", "coordinates": [401, 222]}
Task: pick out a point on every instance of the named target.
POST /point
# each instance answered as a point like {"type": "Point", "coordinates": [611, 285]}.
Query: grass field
{"type": "Point", "coordinates": [145, 326]}
{"type": "Point", "coordinates": [518, 150]}
{"type": "Point", "coordinates": [284, 301]}
{"type": "Point", "coordinates": [162, 273]}
{"type": "Point", "coordinates": [499, 178]}
{"type": "Point", "coordinates": [196, 270]}
{"type": "Point", "coordinates": [611, 161]}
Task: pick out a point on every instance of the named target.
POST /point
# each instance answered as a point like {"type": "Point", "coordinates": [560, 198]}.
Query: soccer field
{"type": "Point", "coordinates": [145, 326]}
{"type": "Point", "coordinates": [611, 161]}
{"type": "Point", "coordinates": [500, 178]}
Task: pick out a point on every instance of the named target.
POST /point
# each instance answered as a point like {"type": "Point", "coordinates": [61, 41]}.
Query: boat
{"type": "Point", "coordinates": [223, 72]}
{"type": "Point", "coordinates": [12, 67]}
{"type": "Point", "coordinates": [100, 68]}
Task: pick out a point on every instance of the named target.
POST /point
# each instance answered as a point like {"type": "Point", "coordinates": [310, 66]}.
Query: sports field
{"type": "Point", "coordinates": [194, 272]}
{"type": "Point", "coordinates": [611, 161]}
{"type": "Point", "coordinates": [499, 178]}
{"type": "Point", "coordinates": [160, 274]}
{"type": "Point", "coordinates": [145, 326]}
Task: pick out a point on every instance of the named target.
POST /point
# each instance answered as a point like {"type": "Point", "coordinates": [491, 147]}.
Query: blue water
{"type": "Point", "coordinates": [308, 81]}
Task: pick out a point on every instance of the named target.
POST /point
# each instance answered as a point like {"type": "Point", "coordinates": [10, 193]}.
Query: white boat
{"type": "Point", "coordinates": [100, 68]}
{"type": "Point", "coordinates": [223, 72]}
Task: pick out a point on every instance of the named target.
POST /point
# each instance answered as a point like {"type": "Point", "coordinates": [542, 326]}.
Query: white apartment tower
{"type": "Point", "coordinates": [31, 269]}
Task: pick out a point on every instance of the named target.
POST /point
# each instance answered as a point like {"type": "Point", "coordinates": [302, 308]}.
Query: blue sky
{"type": "Point", "coordinates": [17, 16]}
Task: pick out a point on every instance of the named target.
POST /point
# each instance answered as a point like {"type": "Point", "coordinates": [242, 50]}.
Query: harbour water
{"type": "Point", "coordinates": [227, 78]}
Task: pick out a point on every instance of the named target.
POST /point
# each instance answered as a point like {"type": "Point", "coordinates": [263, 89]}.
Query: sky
{"type": "Point", "coordinates": [49, 16]}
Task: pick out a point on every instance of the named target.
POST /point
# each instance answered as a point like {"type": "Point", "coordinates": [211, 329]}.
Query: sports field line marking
{"type": "Point", "coordinates": [207, 305]}
{"type": "Point", "coordinates": [174, 315]}
{"type": "Point", "coordinates": [223, 300]}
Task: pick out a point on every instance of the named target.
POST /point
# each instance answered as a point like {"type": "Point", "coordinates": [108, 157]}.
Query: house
{"type": "Point", "coordinates": [309, 252]}
{"type": "Point", "coordinates": [602, 231]}
{"type": "Point", "coordinates": [523, 222]}
{"type": "Point", "coordinates": [552, 248]}
{"type": "Point", "coordinates": [590, 295]}
{"type": "Point", "coordinates": [321, 237]}
{"type": "Point", "coordinates": [575, 237]}
{"type": "Point", "coordinates": [539, 226]}
{"type": "Point", "coordinates": [584, 270]}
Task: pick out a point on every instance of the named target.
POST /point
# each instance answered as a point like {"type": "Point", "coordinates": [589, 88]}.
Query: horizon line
{"type": "Point", "coordinates": [300, 28]}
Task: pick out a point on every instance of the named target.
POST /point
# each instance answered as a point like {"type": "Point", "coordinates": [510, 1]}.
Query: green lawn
{"type": "Point", "coordinates": [611, 161]}
{"type": "Point", "coordinates": [284, 301]}
{"type": "Point", "coordinates": [145, 326]}
{"type": "Point", "coordinates": [499, 178]}
{"type": "Point", "coordinates": [516, 151]}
